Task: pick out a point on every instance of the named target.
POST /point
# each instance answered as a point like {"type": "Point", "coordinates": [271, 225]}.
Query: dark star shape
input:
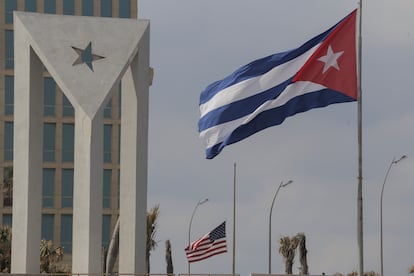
{"type": "Point", "coordinates": [86, 56]}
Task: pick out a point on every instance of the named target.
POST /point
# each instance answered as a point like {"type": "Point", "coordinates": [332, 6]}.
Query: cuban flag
{"type": "Point", "coordinates": [265, 92]}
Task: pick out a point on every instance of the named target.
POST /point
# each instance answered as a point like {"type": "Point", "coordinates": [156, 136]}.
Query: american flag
{"type": "Point", "coordinates": [212, 243]}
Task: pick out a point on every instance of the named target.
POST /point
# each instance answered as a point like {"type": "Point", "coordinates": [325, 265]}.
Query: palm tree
{"type": "Point", "coordinates": [113, 248]}
{"type": "Point", "coordinates": [152, 217]}
{"type": "Point", "coordinates": [5, 248]}
{"type": "Point", "coordinates": [304, 270]}
{"type": "Point", "coordinates": [168, 258]}
{"type": "Point", "coordinates": [287, 250]}
{"type": "Point", "coordinates": [49, 257]}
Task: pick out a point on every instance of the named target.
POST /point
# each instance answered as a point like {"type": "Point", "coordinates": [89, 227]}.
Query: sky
{"type": "Point", "coordinates": [194, 43]}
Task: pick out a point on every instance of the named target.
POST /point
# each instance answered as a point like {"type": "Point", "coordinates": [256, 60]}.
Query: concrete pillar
{"type": "Point", "coordinates": [87, 193]}
{"type": "Point", "coordinates": [28, 133]}
{"type": "Point", "coordinates": [134, 153]}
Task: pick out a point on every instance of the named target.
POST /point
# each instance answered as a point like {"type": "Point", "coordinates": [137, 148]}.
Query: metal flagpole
{"type": "Point", "coordinates": [234, 219]}
{"type": "Point", "coordinates": [360, 205]}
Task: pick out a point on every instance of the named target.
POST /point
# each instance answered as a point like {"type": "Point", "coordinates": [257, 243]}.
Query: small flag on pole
{"type": "Point", "coordinates": [266, 91]}
{"type": "Point", "coordinates": [212, 243]}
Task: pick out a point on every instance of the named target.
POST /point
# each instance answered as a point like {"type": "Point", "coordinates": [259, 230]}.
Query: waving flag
{"type": "Point", "coordinates": [211, 244]}
{"type": "Point", "coordinates": [266, 91]}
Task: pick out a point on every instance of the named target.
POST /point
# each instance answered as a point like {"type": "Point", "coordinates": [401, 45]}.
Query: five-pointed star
{"type": "Point", "coordinates": [330, 59]}
{"type": "Point", "coordinates": [86, 56]}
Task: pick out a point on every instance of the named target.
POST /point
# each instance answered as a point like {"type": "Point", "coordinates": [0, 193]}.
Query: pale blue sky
{"type": "Point", "coordinates": [194, 43]}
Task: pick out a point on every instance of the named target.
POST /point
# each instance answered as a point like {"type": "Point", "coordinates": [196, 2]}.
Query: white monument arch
{"type": "Point", "coordinates": [87, 57]}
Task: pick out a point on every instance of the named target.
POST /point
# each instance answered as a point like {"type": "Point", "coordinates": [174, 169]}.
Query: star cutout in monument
{"type": "Point", "coordinates": [330, 59]}
{"type": "Point", "coordinates": [86, 56]}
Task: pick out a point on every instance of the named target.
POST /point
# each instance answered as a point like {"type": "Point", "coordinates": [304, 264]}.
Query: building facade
{"type": "Point", "coordinates": [58, 127]}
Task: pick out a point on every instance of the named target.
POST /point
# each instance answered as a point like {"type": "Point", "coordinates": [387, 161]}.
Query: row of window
{"type": "Point", "coordinates": [49, 142]}
{"type": "Point", "coordinates": [50, 183]}
{"type": "Point", "coordinates": [48, 233]}
{"type": "Point", "coordinates": [69, 8]}
{"type": "Point", "coordinates": [49, 99]}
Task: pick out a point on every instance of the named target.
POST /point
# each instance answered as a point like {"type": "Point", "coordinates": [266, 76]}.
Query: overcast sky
{"type": "Point", "coordinates": [194, 43]}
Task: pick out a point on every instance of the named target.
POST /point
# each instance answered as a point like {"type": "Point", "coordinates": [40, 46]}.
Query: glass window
{"type": "Point", "coordinates": [68, 110]}
{"type": "Point", "coordinates": [49, 99]}
{"type": "Point", "coordinates": [69, 7]}
{"type": "Point", "coordinates": [48, 187]}
{"type": "Point", "coordinates": [49, 142]}
{"type": "Point", "coordinates": [125, 8]}
{"type": "Point", "coordinates": [106, 230]}
{"type": "Point", "coordinates": [106, 8]}
{"type": "Point", "coordinates": [9, 49]}
{"type": "Point", "coordinates": [68, 142]}
{"type": "Point", "coordinates": [87, 7]}
{"type": "Point", "coordinates": [8, 95]}
{"type": "Point", "coordinates": [66, 233]}
{"type": "Point", "coordinates": [67, 188]}
{"type": "Point", "coordinates": [107, 143]}
{"type": "Point", "coordinates": [107, 177]}
{"type": "Point", "coordinates": [8, 141]}
{"type": "Point", "coordinates": [48, 224]}
{"type": "Point", "coordinates": [108, 109]}
{"type": "Point", "coordinates": [7, 219]}
{"type": "Point", "coordinates": [50, 6]}
{"type": "Point", "coordinates": [8, 187]}
{"type": "Point", "coordinates": [30, 5]}
{"type": "Point", "coordinates": [10, 6]}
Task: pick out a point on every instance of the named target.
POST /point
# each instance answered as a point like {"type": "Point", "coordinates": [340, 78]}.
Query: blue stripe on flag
{"type": "Point", "coordinates": [277, 115]}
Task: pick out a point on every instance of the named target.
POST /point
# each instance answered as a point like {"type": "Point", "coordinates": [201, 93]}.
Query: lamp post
{"type": "Point", "coordinates": [382, 191]}
{"type": "Point", "coordinates": [189, 227]}
{"type": "Point", "coordinates": [281, 185]}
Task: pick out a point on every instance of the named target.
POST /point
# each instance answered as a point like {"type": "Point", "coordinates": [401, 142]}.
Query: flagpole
{"type": "Point", "coordinates": [234, 219]}
{"type": "Point", "coordinates": [360, 205]}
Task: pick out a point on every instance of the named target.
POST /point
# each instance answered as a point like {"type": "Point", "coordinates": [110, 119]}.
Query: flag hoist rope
{"type": "Point", "coordinates": [360, 205]}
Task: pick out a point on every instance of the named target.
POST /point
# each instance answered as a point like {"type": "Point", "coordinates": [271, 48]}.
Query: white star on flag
{"type": "Point", "coordinates": [330, 59]}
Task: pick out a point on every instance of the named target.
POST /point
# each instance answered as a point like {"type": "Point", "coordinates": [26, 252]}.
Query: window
{"type": "Point", "coordinates": [49, 99]}
{"type": "Point", "coordinates": [125, 8]}
{"type": "Point", "coordinates": [67, 188]}
{"type": "Point", "coordinates": [49, 141]}
{"type": "Point", "coordinates": [30, 5]}
{"type": "Point", "coordinates": [48, 191]}
{"type": "Point", "coordinates": [8, 141]}
{"type": "Point", "coordinates": [106, 8]}
{"type": "Point", "coordinates": [50, 6]}
{"type": "Point", "coordinates": [106, 230]}
{"type": "Point", "coordinates": [8, 187]}
{"type": "Point", "coordinates": [7, 219]}
{"type": "Point", "coordinates": [9, 49]}
{"type": "Point", "coordinates": [66, 233]}
{"type": "Point", "coordinates": [108, 109]}
{"type": "Point", "coordinates": [10, 6]}
{"type": "Point", "coordinates": [68, 110]}
{"type": "Point", "coordinates": [107, 143]}
{"type": "Point", "coordinates": [87, 7]}
{"type": "Point", "coordinates": [69, 7]}
{"type": "Point", "coordinates": [48, 223]}
{"type": "Point", "coordinates": [8, 95]}
{"type": "Point", "coordinates": [107, 177]}
{"type": "Point", "coordinates": [68, 140]}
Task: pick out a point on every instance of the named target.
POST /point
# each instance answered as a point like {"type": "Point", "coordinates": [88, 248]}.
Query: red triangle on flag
{"type": "Point", "coordinates": [333, 64]}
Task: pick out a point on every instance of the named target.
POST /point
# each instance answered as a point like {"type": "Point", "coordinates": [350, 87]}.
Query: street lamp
{"type": "Point", "coordinates": [281, 185]}
{"type": "Point", "coordinates": [189, 227]}
{"type": "Point", "coordinates": [382, 191]}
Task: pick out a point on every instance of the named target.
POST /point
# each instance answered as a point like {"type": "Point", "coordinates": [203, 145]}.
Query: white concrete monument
{"type": "Point", "coordinates": [86, 56]}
